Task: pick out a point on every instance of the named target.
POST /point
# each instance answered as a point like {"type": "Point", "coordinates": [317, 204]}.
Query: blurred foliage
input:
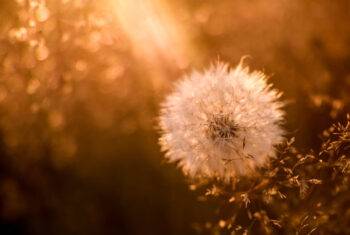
{"type": "Point", "coordinates": [80, 84]}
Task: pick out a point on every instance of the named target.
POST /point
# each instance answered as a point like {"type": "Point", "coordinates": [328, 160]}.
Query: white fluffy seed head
{"type": "Point", "coordinates": [221, 123]}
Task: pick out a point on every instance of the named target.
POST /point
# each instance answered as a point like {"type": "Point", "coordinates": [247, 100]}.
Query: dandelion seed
{"type": "Point", "coordinates": [221, 123]}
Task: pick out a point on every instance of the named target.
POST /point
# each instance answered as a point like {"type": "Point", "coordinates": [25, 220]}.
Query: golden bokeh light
{"type": "Point", "coordinates": [153, 30]}
{"type": "Point", "coordinates": [81, 83]}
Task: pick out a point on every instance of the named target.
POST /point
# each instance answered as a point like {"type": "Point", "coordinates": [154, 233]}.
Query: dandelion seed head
{"type": "Point", "coordinates": [222, 122]}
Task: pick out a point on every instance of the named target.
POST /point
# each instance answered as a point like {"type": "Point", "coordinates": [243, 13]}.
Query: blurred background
{"type": "Point", "coordinates": [80, 86]}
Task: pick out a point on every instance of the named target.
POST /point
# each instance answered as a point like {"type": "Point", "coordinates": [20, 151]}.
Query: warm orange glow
{"type": "Point", "coordinates": [82, 86]}
{"type": "Point", "coordinates": [154, 33]}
